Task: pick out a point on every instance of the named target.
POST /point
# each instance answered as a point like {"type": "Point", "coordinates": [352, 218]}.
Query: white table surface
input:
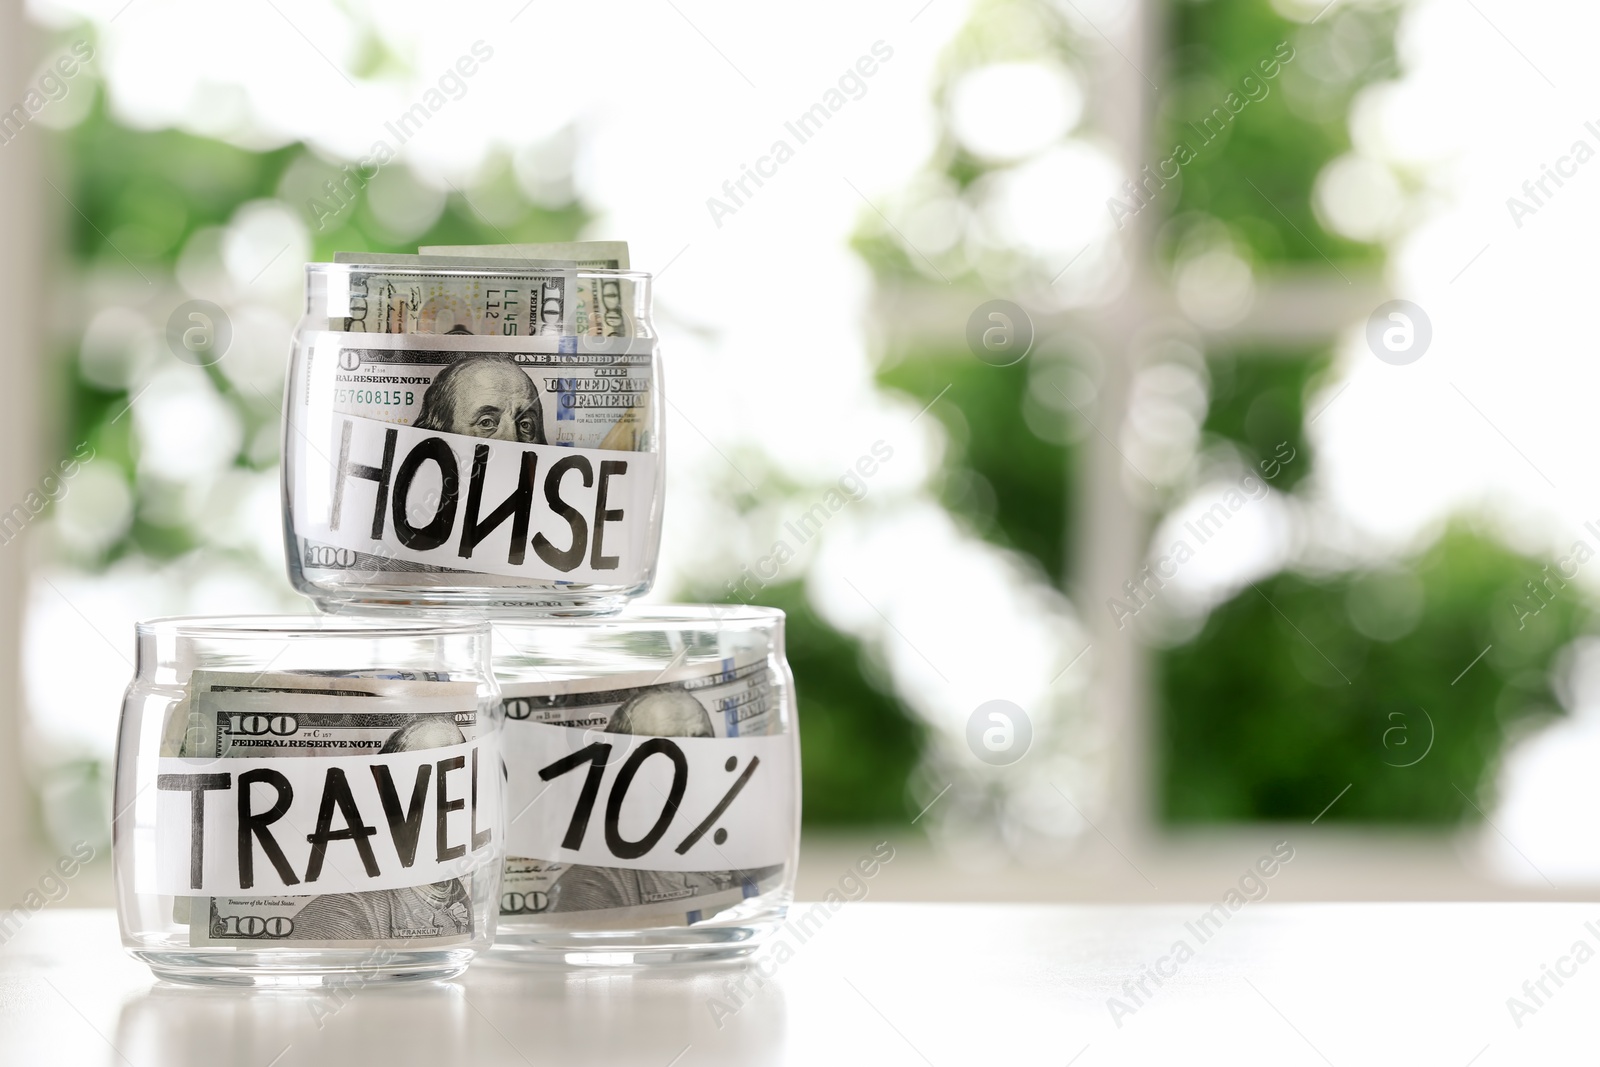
{"type": "Point", "coordinates": [882, 984]}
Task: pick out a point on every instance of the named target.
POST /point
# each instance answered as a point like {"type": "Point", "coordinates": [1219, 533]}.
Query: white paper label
{"type": "Point", "coordinates": [261, 827]}
{"type": "Point", "coordinates": [471, 504]}
{"type": "Point", "coordinates": [650, 803]}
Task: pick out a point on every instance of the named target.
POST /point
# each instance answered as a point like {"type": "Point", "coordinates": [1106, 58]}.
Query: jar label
{"type": "Point", "coordinates": [383, 497]}
{"type": "Point", "coordinates": [650, 803]}
{"type": "Point", "coordinates": [343, 824]}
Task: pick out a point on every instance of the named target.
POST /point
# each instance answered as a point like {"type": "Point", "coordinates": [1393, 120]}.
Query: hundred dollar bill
{"type": "Point", "coordinates": [198, 725]}
{"type": "Point", "coordinates": [501, 257]}
{"type": "Point", "coordinates": [732, 698]}
{"type": "Point", "coordinates": [545, 291]}
{"type": "Point", "coordinates": [576, 895]}
{"type": "Point", "coordinates": [493, 354]}
{"type": "Point", "coordinates": [236, 715]}
{"type": "Point", "coordinates": [412, 262]}
{"type": "Point", "coordinates": [502, 302]}
{"type": "Point", "coordinates": [380, 299]}
{"type": "Point", "coordinates": [602, 307]}
{"type": "Point", "coordinates": [613, 254]}
{"type": "Point", "coordinates": [533, 391]}
{"type": "Point", "coordinates": [424, 916]}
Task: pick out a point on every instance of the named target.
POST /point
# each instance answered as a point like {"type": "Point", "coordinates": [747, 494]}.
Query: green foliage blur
{"type": "Point", "coordinates": [1257, 405]}
{"type": "Point", "coordinates": [1254, 173]}
{"type": "Point", "coordinates": [1301, 684]}
{"type": "Point", "coordinates": [1010, 486]}
{"type": "Point", "coordinates": [1305, 683]}
{"type": "Point", "coordinates": [1402, 684]}
{"type": "Point", "coordinates": [1297, 686]}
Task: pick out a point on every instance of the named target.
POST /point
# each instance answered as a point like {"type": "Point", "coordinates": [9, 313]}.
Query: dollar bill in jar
{"type": "Point", "coordinates": [731, 699]}
{"type": "Point", "coordinates": [581, 288]}
{"type": "Point", "coordinates": [297, 715]}
{"type": "Point", "coordinates": [476, 430]}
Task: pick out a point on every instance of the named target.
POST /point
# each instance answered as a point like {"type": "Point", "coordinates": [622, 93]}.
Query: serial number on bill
{"type": "Point", "coordinates": [374, 396]}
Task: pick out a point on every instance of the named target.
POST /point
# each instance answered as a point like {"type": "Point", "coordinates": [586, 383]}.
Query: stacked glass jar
{"type": "Point", "coordinates": [472, 482]}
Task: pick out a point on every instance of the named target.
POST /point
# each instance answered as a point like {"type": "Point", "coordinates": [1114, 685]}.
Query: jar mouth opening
{"type": "Point", "coordinates": [281, 627]}
{"type": "Point", "coordinates": [511, 269]}
{"type": "Point", "coordinates": [661, 617]}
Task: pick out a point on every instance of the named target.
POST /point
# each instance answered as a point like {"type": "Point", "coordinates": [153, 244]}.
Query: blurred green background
{"type": "Point", "coordinates": [1288, 692]}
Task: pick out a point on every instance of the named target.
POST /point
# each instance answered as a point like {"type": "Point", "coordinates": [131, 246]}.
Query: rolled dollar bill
{"type": "Point", "coordinates": [589, 253]}
{"type": "Point", "coordinates": [297, 715]}
{"type": "Point", "coordinates": [732, 699]}
{"type": "Point", "coordinates": [466, 301]}
{"type": "Point", "coordinates": [527, 290]}
{"type": "Point", "coordinates": [453, 423]}
{"type": "Point", "coordinates": [196, 727]}
{"type": "Point", "coordinates": [386, 300]}
{"type": "Point", "coordinates": [535, 392]}
{"type": "Point", "coordinates": [538, 391]}
{"type": "Point", "coordinates": [602, 306]}
{"type": "Point", "coordinates": [423, 916]}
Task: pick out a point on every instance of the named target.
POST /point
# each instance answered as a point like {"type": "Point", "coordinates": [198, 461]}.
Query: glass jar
{"type": "Point", "coordinates": [473, 437]}
{"type": "Point", "coordinates": [301, 800]}
{"type": "Point", "coordinates": [653, 790]}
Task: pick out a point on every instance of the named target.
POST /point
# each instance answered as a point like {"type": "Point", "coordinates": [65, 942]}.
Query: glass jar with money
{"type": "Point", "coordinates": [474, 431]}
{"type": "Point", "coordinates": [653, 796]}
{"type": "Point", "coordinates": [309, 800]}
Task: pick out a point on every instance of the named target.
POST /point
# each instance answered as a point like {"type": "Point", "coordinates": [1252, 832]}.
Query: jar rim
{"type": "Point", "coordinates": [653, 617]}
{"type": "Point", "coordinates": [279, 627]}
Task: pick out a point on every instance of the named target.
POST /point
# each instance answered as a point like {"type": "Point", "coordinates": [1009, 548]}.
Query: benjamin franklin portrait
{"type": "Point", "coordinates": [484, 394]}
{"type": "Point", "coordinates": [661, 711]}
